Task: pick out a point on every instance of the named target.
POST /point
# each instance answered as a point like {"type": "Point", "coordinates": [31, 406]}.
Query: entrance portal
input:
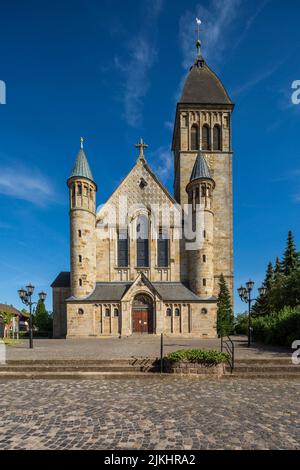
{"type": "Point", "coordinates": [142, 314]}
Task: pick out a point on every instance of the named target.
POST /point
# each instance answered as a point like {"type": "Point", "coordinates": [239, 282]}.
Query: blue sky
{"type": "Point", "coordinates": [112, 72]}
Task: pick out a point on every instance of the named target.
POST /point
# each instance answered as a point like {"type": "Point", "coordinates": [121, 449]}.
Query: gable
{"type": "Point", "coordinates": [140, 187]}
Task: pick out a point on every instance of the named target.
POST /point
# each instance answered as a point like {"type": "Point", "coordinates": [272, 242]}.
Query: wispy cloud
{"type": "Point", "coordinates": [136, 64]}
{"type": "Point", "coordinates": [163, 163]}
{"type": "Point", "coordinates": [216, 22]}
{"type": "Point", "coordinates": [16, 181]}
{"type": "Point", "coordinates": [250, 22]}
{"type": "Point", "coordinates": [260, 76]}
{"type": "Point", "coordinates": [291, 177]}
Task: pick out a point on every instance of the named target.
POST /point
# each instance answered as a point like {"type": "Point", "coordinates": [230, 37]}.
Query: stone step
{"type": "Point", "coordinates": [76, 375]}
{"type": "Point", "coordinates": [262, 375]}
{"type": "Point", "coordinates": [82, 362]}
{"type": "Point", "coordinates": [266, 368]}
{"type": "Point", "coordinates": [70, 368]}
{"type": "Point", "coordinates": [267, 360]}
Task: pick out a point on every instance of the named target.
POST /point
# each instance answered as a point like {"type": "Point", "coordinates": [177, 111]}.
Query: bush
{"type": "Point", "coordinates": [204, 356]}
{"type": "Point", "coordinates": [279, 329]}
{"type": "Point", "coordinates": [241, 324]}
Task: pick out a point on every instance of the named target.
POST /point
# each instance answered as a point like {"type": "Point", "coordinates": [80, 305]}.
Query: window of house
{"type": "Point", "coordinates": [204, 233]}
{"type": "Point", "coordinates": [204, 258]}
{"type": "Point", "coordinates": [80, 282]}
{"type": "Point", "coordinates": [107, 312]}
{"type": "Point", "coordinates": [163, 249]}
{"type": "Point", "coordinates": [80, 311]}
{"type": "Point", "coordinates": [79, 258]}
{"type": "Point", "coordinates": [204, 311]}
{"type": "Point", "coordinates": [168, 312]}
{"type": "Point", "coordinates": [177, 312]}
{"type": "Point", "coordinates": [205, 137]}
{"type": "Point", "coordinates": [116, 312]}
{"type": "Point", "coordinates": [204, 282]}
{"type": "Point", "coordinates": [217, 137]}
{"type": "Point", "coordinates": [79, 190]}
{"type": "Point", "coordinates": [79, 233]}
{"type": "Point", "coordinates": [142, 242]}
{"type": "Point", "coordinates": [123, 248]}
{"type": "Point", "coordinates": [194, 137]}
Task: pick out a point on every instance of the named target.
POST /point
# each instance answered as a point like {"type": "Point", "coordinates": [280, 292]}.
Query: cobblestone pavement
{"type": "Point", "coordinates": [149, 414]}
{"type": "Point", "coordinates": [140, 345]}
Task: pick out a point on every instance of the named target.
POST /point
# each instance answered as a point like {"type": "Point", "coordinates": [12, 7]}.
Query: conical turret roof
{"type": "Point", "coordinates": [200, 169]}
{"type": "Point", "coordinates": [81, 167]}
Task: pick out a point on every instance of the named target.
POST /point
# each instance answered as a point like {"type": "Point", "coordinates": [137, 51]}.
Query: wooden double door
{"type": "Point", "coordinates": [142, 320]}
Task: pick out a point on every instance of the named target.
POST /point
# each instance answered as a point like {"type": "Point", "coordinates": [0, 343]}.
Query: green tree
{"type": "Point", "coordinates": [290, 260]}
{"type": "Point", "coordinates": [224, 313]}
{"type": "Point", "coordinates": [277, 297]}
{"type": "Point", "coordinates": [41, 317]}
{"type": "Point", "coordinates": [263, 306]}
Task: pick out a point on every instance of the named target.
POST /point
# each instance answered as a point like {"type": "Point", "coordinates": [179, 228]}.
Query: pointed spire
{"type": "Point", "coordinates": [81, 167]}
{"type": "Point", "coordinates": [141, 146]}
{"type": "Point", "coordinates": [200, 169]}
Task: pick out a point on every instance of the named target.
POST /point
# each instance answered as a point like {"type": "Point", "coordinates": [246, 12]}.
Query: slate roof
{"type": "Point", "coordinates": [81, 167]}
{"type": "Point", "coordinates": [200, 169]}
{"type": "Point", "coordinates": [62, 280]}
{"type": "Point", "coordinates": [114, 291]}
{"type": "Point", "coordinates": [202, 86]}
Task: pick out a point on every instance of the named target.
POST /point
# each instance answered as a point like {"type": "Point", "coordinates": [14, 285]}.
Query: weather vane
{"type": "Point", "coordinates": [198, 43]}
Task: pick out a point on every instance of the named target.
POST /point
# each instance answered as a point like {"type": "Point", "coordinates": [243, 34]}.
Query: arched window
{"type": "Point", "coordinates": [107, 312]}
{"type": "Point", "coordinates": [79, 233]}
{"type": "Point", "coordinates": [217, 137]}
{"type": "Point", "coordinates": [123, 248]}
{"type": "Point", "coordinates": [116, 312]}
{"type": "Point", "coordinates": [163, 249]}
{"type": "Point", "coordinates": [204, 258]}
{"type": "Point", "coordinates": [80, 282]}
{"type": "Point", "coordinates": [142, 242]}
{"type": "Point", "coordinates": [80, 311]}
{"type": "Point", "coordinates": [168, 312]}
{"type": "Point", "coordinates": [79, 258]}
{"type": "Point", "coordinates": [204, 311]}
{"type": "Point", "coordinates": [177, 312]}
{"type": "Point", "coordinates": [205, 137]}
{"type": "Point", "coordinates": [194, 137]}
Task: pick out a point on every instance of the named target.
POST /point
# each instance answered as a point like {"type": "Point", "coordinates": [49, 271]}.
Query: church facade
{"type": "Point", "coordinates": [147, 261]}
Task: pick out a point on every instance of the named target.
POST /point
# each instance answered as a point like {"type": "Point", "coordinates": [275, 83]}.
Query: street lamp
{"type": "Point", "coordinates": [245, 296]}
{"type": "Point", "coordinates": [26, 298]}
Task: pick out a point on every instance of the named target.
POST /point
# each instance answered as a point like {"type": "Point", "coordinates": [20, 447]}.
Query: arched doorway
{"type": "Point", "coordinates": [142, 314]}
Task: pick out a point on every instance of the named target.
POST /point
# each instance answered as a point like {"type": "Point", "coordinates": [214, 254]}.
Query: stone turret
{"type": "Point", "coordinates": [82, 227]}
{"type": "Point", "coordinates": [201, 258]}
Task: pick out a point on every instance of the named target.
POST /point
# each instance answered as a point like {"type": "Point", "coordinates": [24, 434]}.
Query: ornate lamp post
{"type": "Point", "coordinates": [245, 296]}
{"type": "Point", "coordinates": [26, 298]}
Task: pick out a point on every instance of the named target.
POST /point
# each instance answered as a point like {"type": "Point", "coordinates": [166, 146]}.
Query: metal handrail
{"type": "Point", "coordinates": [228, 347]}
{"type": "Point", "coordinates": [161, 353]}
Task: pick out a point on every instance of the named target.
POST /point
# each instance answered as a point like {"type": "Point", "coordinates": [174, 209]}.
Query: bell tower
{"type": "Point", "coordinates": [82, 190]}
{"type": "Point", "coordinates": [203, 122]}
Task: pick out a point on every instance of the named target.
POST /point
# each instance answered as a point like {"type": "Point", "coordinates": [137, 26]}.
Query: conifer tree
{"type": "Point", "coordinates": [224, 313]}
{"type": "Point", "coordinates": [263, 305]}
{"type": "Point", "coordinates": [290, 260]}
{"type": "Point", "coordinates": [41, 317]}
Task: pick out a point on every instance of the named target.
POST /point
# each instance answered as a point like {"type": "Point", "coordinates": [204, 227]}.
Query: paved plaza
{"type": "Point", "coordinates": [133, 346]}
{"type": "Point", "coordinates": [157, 413]}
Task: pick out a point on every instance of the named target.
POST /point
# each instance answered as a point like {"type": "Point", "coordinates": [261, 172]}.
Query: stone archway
{"type": "Point", "coordinates": [142, 314]}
